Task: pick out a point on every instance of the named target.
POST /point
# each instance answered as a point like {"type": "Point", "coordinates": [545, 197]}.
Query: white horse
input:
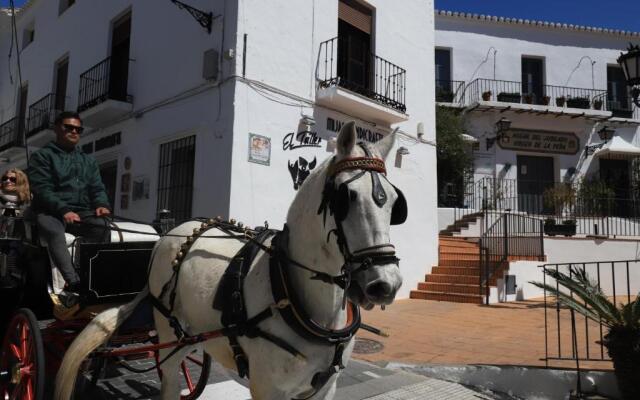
{"type": "Point", "coordinates": [345, 241]}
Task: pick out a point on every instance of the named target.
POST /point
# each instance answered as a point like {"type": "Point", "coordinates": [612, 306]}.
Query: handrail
{"type": "Point", "coordinates": [10, 135]}
{"type": "Point", "coordinates": [97, 84]}
{"type": "Point", "coordinates": [42, 113]}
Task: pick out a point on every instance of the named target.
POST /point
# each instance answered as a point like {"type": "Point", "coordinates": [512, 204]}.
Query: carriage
{"type": "Point", "coordinates": [37, 330]}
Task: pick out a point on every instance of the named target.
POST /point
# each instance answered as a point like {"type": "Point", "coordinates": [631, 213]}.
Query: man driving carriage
{"type": "Point", "coordinates": [68, 194]}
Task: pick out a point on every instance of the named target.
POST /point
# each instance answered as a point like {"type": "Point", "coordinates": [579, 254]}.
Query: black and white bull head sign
{"type": "Point", "coordinates": [300, 169]}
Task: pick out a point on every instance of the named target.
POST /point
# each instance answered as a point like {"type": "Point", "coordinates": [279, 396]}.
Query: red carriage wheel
{"type": "Point", "coordinates": [22, 359]}
{"type": "Point", "coordinates": [195, 369]}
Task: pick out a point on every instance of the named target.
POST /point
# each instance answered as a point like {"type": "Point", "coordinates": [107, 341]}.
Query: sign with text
{"type": "Point", "coordinates": [539, 141]}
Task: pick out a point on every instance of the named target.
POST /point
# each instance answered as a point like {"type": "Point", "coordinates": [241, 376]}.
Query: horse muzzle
{"type": "Point", "coordinates": [375, 284]}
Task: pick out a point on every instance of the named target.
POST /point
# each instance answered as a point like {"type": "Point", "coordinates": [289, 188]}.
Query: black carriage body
{"type": "Point", "coordinates": [113, 272]}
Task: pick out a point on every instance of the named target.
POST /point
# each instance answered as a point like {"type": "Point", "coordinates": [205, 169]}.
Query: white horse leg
{"type": "Point", "coordinates": [170, 368]}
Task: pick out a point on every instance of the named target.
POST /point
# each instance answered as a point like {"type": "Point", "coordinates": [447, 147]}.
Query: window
{"type": "Point", "coordinates": [533, 79]}
{"type": "Point", "coordinates": [60, 86]}
{"type": "Point", "coordinates": [28, 35]}
{"type": "Point", "coordinates": [354, 45]}
{"type": "Point", "coordinates": [175, 177]}
{"type": "Point", "coordinates": [617, 93]}
{"type": "Point", "coordinates": [64, 4]}
{"type": "Point", "coordinates": [444, 90]}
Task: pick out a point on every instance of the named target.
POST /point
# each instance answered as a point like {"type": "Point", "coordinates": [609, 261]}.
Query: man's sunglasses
{"type": "Point", "coordinates": [71, 128]}
{"type": "Point", "coordinates": [9, 179]}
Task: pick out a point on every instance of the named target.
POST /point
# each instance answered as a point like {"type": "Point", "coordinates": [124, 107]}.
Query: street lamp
{"type": "Point", "coordinates": [630, 63]}
{"type": "Point", "coordinates": [501, 126]}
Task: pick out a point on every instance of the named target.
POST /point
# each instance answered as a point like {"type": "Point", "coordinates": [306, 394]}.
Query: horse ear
{"type": "Point", "coordinates": [347, 139]}
{"type": "Point", "coordinates": [385, 144]}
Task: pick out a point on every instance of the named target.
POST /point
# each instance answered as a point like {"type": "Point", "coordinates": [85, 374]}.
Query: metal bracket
{"type": "Point", "coordinates": [592, 148]}
{"type": "Point", "coordinates": [204, 19]}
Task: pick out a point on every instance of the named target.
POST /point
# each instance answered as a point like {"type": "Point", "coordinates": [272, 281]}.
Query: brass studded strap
{"type": "Point", "coordinates": [365, 163]}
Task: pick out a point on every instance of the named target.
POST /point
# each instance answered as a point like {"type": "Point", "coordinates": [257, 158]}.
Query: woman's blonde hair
{"type": "Point", "coordinates": [22, 185]}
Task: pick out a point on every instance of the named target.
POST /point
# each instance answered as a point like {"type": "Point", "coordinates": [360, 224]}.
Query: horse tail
{"type": "Point", "coordinates": [96, 333]}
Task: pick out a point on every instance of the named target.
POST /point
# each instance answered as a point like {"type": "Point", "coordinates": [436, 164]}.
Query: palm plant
{"type": "Point", "coordinates": [622, 339]}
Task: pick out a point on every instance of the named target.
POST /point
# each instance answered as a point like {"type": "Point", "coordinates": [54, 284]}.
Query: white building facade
{"type": "Point", "coordinates": [228, 120]}
{"type": "Point", "coordinates": [560, 87]}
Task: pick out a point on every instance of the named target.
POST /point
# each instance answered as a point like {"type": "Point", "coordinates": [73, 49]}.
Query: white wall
{"type": "Point", "coordinates": [577, 251]}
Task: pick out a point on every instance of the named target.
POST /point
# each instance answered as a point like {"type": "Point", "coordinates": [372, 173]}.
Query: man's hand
{"type": "Point", "coordinates": [102, 211]}
{"type": "Point", "coordinates": [71, 217]}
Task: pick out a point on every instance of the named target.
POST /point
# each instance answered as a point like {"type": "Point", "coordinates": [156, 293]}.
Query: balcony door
{"type": "Point", "coordinates": [119, 68]}
{"type": "Point", "coordinates": [443, 75]}
{"type": "Point", "coordinates": [615, 173]}
{"type": "Point", "coordinates": [354, 46]}
{"type": "Point", "coordinates": [617, 93]}
{"type": "Point", "coordinates": [62, 72]}
{"type": "Point", "coordinates": [535, 175]}
{"type": "Point", "coordinates": [533, 78]}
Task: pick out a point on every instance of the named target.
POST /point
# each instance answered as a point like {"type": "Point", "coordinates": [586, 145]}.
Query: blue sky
{"type": "Point", "coordinates": [614, 14]}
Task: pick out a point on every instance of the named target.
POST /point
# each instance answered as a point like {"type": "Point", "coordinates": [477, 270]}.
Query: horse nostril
{"type": "Point", "coordinates": [379, 290]}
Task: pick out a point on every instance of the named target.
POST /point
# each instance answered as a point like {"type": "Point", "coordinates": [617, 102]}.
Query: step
{"type": "Point", "coordinates": [459, 250]}
{"type": "Point", "coordinates": [452, 297]}
{"type": "Point", "coordinates": [449, 287]}
{"type": "Point", "coordinates": [465, 271]}
{"type": "Point", "coordinates": [456, 279]}
{"type": "Point", "coordinates": [456, 262]}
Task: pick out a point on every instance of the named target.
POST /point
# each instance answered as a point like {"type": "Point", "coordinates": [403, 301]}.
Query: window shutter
{"type": "Point", "coordinates": [355, 17]}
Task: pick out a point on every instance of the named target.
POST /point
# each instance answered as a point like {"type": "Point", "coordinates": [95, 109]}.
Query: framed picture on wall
{"type": "Point", "coordinates": [259, 149]}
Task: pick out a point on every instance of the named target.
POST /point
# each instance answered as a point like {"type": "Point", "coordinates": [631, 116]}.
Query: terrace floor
{"type": "Point", "coordinates": [432, 332]}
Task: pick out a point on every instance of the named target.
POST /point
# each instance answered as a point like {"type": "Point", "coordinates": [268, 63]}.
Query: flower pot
{"type": "Point", "coordinates": [509, 97]}
{"type": "Point", "coordinates": [597, 104]}
{"type": "Point", "coordinates": [546, 100]}
{"type": "Point", "coordinates": [578, 102]}
{"type": "Point", "coordinates": [560, 101]}
{"type": "Point", "coordinates": [553, 229]}
{"type": "Point", "coordinates": [623, 348]}
{"type": "Point", "coordinates": [486, 96]}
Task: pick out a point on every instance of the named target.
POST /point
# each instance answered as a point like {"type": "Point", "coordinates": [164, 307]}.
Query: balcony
{"type": "Point", "coordinates": [449, 91]}
{"type": "Point", "coordinates": [544, 99]}
{"type": "Point", "coordinates": [377, 95]}
{"type": "Point", "coordinates": [103, 93]}
{"type": "Point", "coordinates": [11, 138]}
{"type": "Point", "coordinates": [622, 108]}
{"type": "Point", "coordinates": [42, 114]}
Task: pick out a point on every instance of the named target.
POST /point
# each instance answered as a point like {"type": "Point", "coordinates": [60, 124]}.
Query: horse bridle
{"type": "Point", "coordinates": [336, 200]}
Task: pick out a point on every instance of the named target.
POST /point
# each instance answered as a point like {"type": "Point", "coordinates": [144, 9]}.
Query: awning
{"type": "Point", "coordinates": [469, 138]}
{"type": "Point", "coordinates": [618, 148]}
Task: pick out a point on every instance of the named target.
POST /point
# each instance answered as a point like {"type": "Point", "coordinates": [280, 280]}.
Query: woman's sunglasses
{"type": "Point", "coordinates": [9, 179]}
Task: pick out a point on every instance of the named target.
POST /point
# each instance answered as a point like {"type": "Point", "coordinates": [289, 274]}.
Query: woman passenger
{"type": "Point", "coordinates": [14, 192]}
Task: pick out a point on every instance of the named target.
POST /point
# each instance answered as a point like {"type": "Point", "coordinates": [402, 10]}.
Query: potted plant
{"type": "Point", "coordinates": [444, 95]}
{"type": "Point", "coordinates": [597, 104]}
{"type": "Point", "coordinates": [507, 97]}
{"type": "Point", "coordinates": [546, 100]}
{"type": "Point", "coordinates": [528, 98]}
{"type": "Point", "coordinates": [578, 102]}
{"type": "Point", "coordinates": [486, 96]}
{"type": "Point", "coordinates": [566, 228]}
{"type": "Point", "coordinates": [622, 321]}
{"type": "Point", "coordinates": [560, 101]}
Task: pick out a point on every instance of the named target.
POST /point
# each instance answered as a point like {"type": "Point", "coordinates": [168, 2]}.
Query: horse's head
{"type": "Point", "coordinates": [363, 204]}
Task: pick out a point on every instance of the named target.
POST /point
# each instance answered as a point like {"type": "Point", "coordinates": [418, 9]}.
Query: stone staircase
{"type": "Point", "coordinates": [463, 223]}
{"type": "Point", "coordinates": [456, 278]}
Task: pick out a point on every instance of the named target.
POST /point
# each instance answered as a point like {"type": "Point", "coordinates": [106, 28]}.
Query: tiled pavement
{"type": "Point", "coordinates": [421, 332]}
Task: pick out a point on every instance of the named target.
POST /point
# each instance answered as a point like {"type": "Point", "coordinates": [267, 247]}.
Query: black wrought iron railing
{"type": "Point", "coordinates": [42, 114]}
{"type": "Point", "coordinates": [594, 209]}
{"type": "Point", "coordinates": [449, 91]}
{"type": "Point", "coordinates": [568, 338]}
{"type": "Point", "coordinates": [507, 236]}
{"type": "Point", "coordinates": [622, 108]}
{"type": "Point", "coordinates": [380, 80]}
{"type": "Point", "coordinates": [512, 92]}
{"type": "Point", "coordinates": [104, 81]}
{"type": "Point", "coordinates": [10, 134]}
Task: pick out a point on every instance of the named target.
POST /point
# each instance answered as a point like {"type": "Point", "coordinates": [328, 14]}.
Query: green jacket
{"type": "Point", "coordinates": [63, 181]}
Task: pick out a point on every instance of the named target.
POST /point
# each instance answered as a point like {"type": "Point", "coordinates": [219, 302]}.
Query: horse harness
{"type": "Point", "coordinates": [230, 300]}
